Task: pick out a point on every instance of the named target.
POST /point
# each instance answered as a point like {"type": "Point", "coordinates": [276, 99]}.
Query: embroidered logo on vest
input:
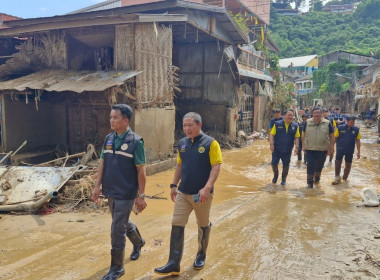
{"type": "Point", "coordinates": [124, 146]}
{"type": "Point", "coordinates": [201, 149]}
{"type": "Point", "coordinates": [183, 148]}
{"type": "Point", "coordinates": [109, 145]}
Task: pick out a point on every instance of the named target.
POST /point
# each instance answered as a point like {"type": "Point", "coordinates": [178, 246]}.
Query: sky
{"type": "Point", "coordinates": [43, 8]}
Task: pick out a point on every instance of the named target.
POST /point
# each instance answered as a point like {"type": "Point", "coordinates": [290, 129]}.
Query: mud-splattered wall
{"type": "Point", "coordinates": [207, 84]}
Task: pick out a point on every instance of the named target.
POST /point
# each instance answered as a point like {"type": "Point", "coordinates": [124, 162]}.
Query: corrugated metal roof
{"type": "Point", "coordinates": [297, 61]}
{"type": "Point", "coordinates": [250, 74]}
{"type": "Point", "coordinates": [64, 80]}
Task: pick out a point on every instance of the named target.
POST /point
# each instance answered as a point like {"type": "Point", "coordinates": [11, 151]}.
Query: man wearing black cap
{"type": "Point", "coordinates": [122, 176]}
{"type": "Point", "coordinates": [347, 135]}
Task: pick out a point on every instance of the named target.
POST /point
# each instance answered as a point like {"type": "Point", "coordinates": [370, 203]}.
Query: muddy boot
{"type": "Point", "coordinates": [285, 171]}
{"type": "Point", "coordinates": [117, 262]}
{"type": "Point", "coordinates": [203, 237]}
{"type": "Point", "coordinates": [275, 173]}
{"type": "Point", "coordinates": [176, 248]}
{"type": "Point", "coordinates": [310, 178]}
{"type": "Point", "coordinates": [137, 241]}
{"type": "Point", "coordinates": [347, 170]}
{"type": "Point", "coordinates": [317, 177]}
{"type": "Point", "coordinates": [338, 166]}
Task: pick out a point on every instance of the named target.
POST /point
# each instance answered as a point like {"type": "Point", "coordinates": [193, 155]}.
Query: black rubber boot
{"type": "Point", "coordinates": [176, 248]}
{"type": "Point", "coordinates": [117, 265]}
{"type": "Point", "coordinates": [285, 171]}
{"type": "Point", "coordinates": [310, 178]}
{"type": "Point", "coordinates": [275, 173]}
{"type": "Point", "coordinates": [135, 237]}
{"type": "Point", "coordinates": [203, 237]}
{"type": "Point", "coordinates": [347, 169]}
{"type": "Point", "coordinates": [317, 177]}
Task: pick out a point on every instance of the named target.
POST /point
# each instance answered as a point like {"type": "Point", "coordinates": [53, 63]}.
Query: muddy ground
{"type": "Point", "coordinates": [261, 230]}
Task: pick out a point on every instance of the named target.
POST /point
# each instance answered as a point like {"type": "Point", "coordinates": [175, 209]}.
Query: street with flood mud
{"type": "Point", "coordinates": [260, 230]}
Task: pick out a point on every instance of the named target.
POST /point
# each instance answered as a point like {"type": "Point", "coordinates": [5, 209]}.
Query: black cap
{"type": "Point", "coordinates": [350, 118]}
{"type": "Point", "coordinates": [305, 116]}
{"type": "Point", "coordinates": [276, 111]}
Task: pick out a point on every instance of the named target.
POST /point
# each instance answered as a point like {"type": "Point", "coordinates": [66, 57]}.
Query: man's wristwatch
{"type": "Point", "coordinates": [173, 185]}
{"type": "Point", "coordinates": [142, 195]}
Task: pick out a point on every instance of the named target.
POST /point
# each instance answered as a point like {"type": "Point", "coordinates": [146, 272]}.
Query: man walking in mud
{"type": "Point", "coordinates": [300, 128]}
{"type": "Point", "coordinates": [122, 176]}
{"type": "Point", "coordinates": [318, 142]}
{"type": "Point", "coordinates": [283, 136]}
{"type": "Point", "coordinates": [347, 135]}
{"type": "Point", "coordinates": [198, 166]}
{"type": "Point", "coordinates": [333, 123]}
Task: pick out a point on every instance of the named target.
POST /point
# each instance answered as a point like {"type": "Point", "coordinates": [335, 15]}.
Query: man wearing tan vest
{"type": "Point", "coordinates": [318, 142]}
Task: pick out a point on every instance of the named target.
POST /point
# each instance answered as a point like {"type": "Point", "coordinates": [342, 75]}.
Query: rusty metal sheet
{"type": "Point", "coordinates": [25, 188]}
{"type": "Point", "coordinates": [65, 80]}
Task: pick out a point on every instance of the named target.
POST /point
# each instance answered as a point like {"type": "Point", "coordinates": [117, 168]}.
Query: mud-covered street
{"type": "Point", "coordinates": [261, 230]}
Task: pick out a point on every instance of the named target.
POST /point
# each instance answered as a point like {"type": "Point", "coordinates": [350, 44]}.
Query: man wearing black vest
{"type": "Point", "coordinates": [122, 176]}
{"type": "Point", "coordinates": [347, 135]}
{"type": "Point", "coordinates": [198, 166]}
{"type": "Point", "coordinates": [318, 142]}
{"type": "Point", "coordinates": [283, 136]}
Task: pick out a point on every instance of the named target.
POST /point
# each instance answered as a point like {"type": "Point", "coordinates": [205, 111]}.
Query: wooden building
{"type": "Point", "coordinates": [164, 59]}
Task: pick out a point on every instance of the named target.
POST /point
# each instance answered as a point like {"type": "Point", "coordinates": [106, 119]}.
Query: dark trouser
{"type": "Point", "coordinates": [120, 211]}
{"type": "Point", "coordinates": [284, 156]}
{"type": "Point", "coordinates": [347, 156]}
{"type": "Point", "coordinates": [300, 151]}
{"type": "Point", "coordinates": [315, 161]}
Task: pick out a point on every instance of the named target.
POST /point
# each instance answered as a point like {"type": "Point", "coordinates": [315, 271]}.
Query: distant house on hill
{"type": "Point", "coordinates": [343, 9]}
{"type": "Point", "coordinates": [362, 61]}
{"type": "Point", "coordinates": [299, 66]}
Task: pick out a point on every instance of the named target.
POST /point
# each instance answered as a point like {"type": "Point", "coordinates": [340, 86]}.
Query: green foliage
{"type": "Point", "coordinates": [321, 32]}
{"type": "Point", "coordinates": [335, 78]}
{"type": "Point", "coordinates": [241, 21]}
{"type": "Point", "coordinates": [368, 9]}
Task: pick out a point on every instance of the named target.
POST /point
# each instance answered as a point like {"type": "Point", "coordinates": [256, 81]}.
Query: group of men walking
{"type": "Point", "coordinates": [121, 178]}
{"type": "Point", "coordinates": [316, 136]}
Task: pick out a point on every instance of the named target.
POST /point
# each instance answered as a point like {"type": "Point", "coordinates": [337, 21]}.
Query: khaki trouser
{"type": "Point", "coordinates": [183, 206]}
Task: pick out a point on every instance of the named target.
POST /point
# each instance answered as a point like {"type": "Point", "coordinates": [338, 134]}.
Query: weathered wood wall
{"type": "Point", "coordinates": [51, 49]}
{"type": "Point", "coordinates": [153, 56]}
{"type": "Point", "coordinates": [124, 47]}
{"type": "Point", "coordinates": [204, 74]}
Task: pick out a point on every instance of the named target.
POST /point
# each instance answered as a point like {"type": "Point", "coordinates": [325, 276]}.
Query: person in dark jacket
{"type": "Point", "coordinates": [300, 127]}
{"type": "Point", "coordinates": [333, 123]}
{"type": "Point", "coordinates": [283, 136]}
{"type": "Point", "coordinates": [347, 136]}
{"type": "Point", "coordinates": [122, 177]}
{"type": "Point", "coordinates": [198, 166]}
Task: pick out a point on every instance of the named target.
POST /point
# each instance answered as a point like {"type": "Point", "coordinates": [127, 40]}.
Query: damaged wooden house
{"type": "Point", "coordinates": [64, 72]}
